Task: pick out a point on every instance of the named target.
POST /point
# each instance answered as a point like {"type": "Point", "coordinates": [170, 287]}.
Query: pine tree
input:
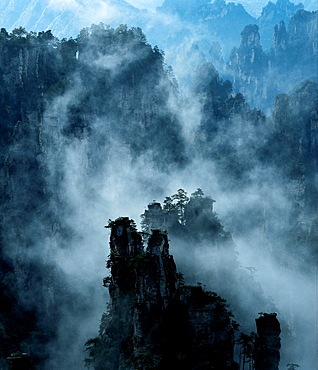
{"type": "Point", "coordinates": [181, 200]}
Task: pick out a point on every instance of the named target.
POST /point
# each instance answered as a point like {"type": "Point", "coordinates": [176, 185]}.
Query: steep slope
{"type": "Point", "coordinates": [295, 124]}
{"type": "Point", "coordinates": [52, 98]}
{"type": "Point", "coordinates": [163, 323]}
{"type": "Point", "coordinates": [196, 234]}
{"type": "Point", "coordinates": [154, 321]}
{"type": "Point", "coordinates": [249, 63]}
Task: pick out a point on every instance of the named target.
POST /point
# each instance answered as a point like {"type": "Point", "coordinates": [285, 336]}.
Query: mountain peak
{"type": "Point", "coordinates": [203, 9]}
{"type": "Point", "coordinates": [283, 9]}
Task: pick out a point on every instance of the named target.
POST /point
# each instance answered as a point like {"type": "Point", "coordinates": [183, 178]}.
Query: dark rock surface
{"type": "Point", "coordinates": [155, 321]}
{"type": "Point", "coordinates": [267, 342]}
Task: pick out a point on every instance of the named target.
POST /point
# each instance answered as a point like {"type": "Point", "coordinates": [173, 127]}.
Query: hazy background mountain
{"type": "Point", "coordinates": [191, 31]}
{"type": "Point", "coordinates": [255, 7]}
{"type": "Point", "coordinates": [64, 18]}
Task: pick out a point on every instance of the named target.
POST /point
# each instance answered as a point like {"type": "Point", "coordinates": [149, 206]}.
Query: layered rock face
{"type": "Point", "coordinates": [249, 62]}
{"type": "Point", "coordinates": [154, 321]}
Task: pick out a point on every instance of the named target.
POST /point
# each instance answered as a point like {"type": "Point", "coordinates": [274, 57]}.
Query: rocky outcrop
{"type": "Point", "coordinates": [154, 321]}
{"type": "Point", "coordinates": [267, 342]}
{"type": "Point", "coordinates": [249, 63]}
{"type": "Point", "coordinates": [294, 44]}
{"type": "Point", "coordinates": [273, 14]}
{"type": "Point", "coordinates": [280, 38]}
{"type": "Point", "coordinates": [19, 361]}
{"type": "Point", "coordinates": [302, 36]}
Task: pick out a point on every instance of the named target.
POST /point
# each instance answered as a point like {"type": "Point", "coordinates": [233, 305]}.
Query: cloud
{"type": "Point", "coordinates": [98, 11]}
{"type": "Point", "coordinates": [63, 4]}
{"type": "Point", "coordinates": [87, 12]}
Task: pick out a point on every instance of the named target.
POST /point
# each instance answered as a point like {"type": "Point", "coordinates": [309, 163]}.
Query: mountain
{"type": "Point", "coordinates": [98, 125]}
{"type": "Point", "coordinates": [201, 32]}
{"type": "Point", "coordinates": [63, 18]}
{"type": "Point", "coordinates": [272, 14]}
{"type": "Point", "coordinates": [155, 321]}
{"type": "Point", "coordinates": [255, 7]}
{"type": "Point", "coordinates": [178, 27]}
{"type": "Point", "coordinates": [249, 64]}
{"type": "Point", "coordinates": [197, 32]}
{"type": "Point", "coordinates": [204, 10]}
{"type": "Point", "coordinates": [252, 67]}
{"type": "Point", "coordinates": [37, 137]}
{"type": "Point", "coordinates": [213, 18]}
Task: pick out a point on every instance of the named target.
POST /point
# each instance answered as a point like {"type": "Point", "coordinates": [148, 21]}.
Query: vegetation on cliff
{"type": "Point", "coordinates": [94, 123]}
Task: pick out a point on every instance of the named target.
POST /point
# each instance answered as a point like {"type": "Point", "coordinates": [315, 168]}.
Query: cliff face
{"type": "Point", "coordinates": [273, 14]}
{"type": "Point", "coordinates": [249, 62]}
{"type": "Point", "coordinates": [267, 342]}
{"type": "Point", "coordinates": [294, 44]}
{"type": "Point", "coordinates": [154, 321]}
{"type": "Point", "coordinates": [45, 116]}
{"type": "Point", "coordinates": [302, 33]}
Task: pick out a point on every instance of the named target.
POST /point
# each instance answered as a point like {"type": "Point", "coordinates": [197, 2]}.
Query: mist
{"type": "Point", "coordinates": [287, 288]}
{"type": "Point", "coordinates": [110, 144]}
{"type": "Point", "coordinates": [123, 186]}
